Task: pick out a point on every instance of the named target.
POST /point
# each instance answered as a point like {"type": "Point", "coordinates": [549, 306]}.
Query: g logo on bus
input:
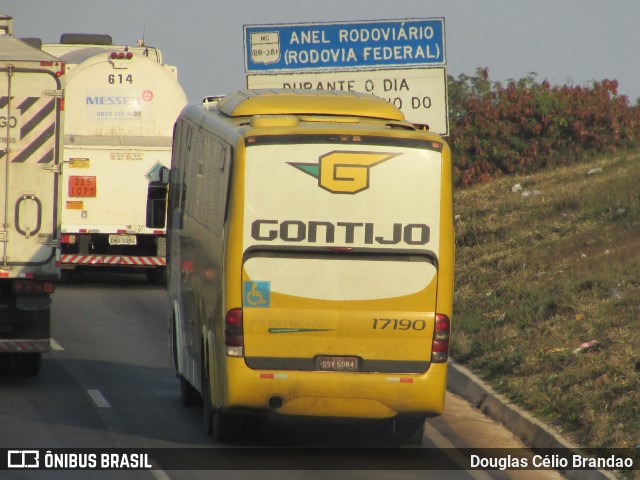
{"type": "Point", "coordinates": [344, 171]}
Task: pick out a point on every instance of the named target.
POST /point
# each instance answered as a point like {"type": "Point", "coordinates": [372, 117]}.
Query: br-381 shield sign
{"type": "Point", "coordinates": [265, 47]}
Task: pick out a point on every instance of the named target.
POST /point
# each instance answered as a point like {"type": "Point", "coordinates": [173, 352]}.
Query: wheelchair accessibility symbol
{"type": "Point", "coordinates": [257, 294]}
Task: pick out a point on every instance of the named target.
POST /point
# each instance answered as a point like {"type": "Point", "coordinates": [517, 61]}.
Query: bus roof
{"type": "Point", "coordinates": [307, 102]}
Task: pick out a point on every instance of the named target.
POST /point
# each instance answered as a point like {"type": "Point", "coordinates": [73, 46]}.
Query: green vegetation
{"type": "Point", "coordinates": [527, 125]}
{"type": "Point", "coordinates": [540, 272]}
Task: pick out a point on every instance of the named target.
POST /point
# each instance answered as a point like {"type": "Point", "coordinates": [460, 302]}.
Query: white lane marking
{"type": "Point", "coordinates": [98, 399]}
{"type": "Point", "coordinates": [442, 443]}
{"type": "Point", "coordinates": [55, 345]}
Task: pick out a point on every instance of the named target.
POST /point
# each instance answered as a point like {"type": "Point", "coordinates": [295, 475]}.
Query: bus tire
{"type": "Point", "coordinates": [207, 408]}
{"type": "Point", "coordinates": [189, 396]}
{"type": "Point", "coordinates": [221, 426]}
{"type": "Point", "coordinates": [227, 427]}
{"type": "Point", "coordinates": [408, 430]}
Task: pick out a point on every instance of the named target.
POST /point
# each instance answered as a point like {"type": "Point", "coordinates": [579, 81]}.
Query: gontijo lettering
{"type": "Point", "coordinates": [367, 233]}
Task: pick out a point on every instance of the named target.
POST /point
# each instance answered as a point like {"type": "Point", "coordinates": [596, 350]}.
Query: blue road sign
{"type": "Point", "coordinates": [344, 45]}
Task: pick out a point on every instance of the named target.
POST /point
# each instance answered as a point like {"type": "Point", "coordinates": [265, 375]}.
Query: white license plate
{"type": "Point", "coordinates": [122, 240]}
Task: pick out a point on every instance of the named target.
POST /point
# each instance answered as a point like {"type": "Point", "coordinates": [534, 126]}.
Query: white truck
{"type": "Point", "coordinates": [30, 142]}
{"type": "Point", "coordinates": [120, 106]}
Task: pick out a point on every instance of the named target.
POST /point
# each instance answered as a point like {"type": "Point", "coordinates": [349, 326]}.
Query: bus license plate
{"type": "Point", "coordinates": [122, 240]}
{"type": "Point", "coordinates": [338, 364]}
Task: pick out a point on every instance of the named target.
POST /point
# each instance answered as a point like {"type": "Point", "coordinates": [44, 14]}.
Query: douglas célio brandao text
{"type": "Point", "coordinates": [555, 461]}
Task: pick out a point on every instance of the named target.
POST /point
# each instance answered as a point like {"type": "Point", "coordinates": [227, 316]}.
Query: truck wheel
{"type": "Point", "coordinates": [157, 276]}
{"type": "Point", "coordinates": [66, 276]}
{"type": "Point", "coordinates": [28, 364]}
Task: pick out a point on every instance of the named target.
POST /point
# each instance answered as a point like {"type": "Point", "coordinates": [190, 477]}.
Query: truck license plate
{"type": "Point", "coordinates": [122, 240]}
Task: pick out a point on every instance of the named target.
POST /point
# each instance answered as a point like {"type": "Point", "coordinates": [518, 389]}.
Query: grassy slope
{"type": "Point", "coordinates": [538, 276]}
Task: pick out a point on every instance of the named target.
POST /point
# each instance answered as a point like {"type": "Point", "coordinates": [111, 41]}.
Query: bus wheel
{"type": "Point", "coordinates": [227, 426]}
{"type": "Point", "coordinates": [207, 408]}
{"type": "Point", "coordinates": [188, 394]}
{"type": "Point", "coordinates": [408, 430]}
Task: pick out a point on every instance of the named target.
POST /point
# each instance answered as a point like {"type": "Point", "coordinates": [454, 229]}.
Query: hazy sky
{"type": "Point", "coordinates": [564, 41]}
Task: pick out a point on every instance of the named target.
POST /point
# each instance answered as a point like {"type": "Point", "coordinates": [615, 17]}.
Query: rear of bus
{"type": "Point", "coordinates": [346, 251]}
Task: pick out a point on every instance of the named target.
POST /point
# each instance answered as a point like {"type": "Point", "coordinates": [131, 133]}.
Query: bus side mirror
{"type": "Point", "coordinates": [157, 200]}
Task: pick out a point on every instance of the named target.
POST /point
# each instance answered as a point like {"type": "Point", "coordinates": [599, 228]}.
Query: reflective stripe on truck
{"type": "Point", "coordinates": [19, 345]}
{"type": "Point", "coordinates": [36, 140]}
{"type": "Point", "coordinates": [121, 260]}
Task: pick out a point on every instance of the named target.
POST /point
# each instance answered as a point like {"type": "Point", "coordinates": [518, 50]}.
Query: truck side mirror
{"type": "Point", "coordinates": [157, 200]}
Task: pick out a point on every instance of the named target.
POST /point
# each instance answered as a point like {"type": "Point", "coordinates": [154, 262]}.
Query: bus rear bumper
{"type": "Point", "coordinates": [336, 394]}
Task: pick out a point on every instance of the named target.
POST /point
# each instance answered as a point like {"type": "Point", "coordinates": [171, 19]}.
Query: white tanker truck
{"type": "Point", "coordinates": [120, 104]}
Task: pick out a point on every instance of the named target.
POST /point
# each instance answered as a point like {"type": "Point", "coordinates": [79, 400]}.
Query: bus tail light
{"type": "Point", "coordinates": [440, 344]}
{"type": "Point", "coordinates": [233, 333]}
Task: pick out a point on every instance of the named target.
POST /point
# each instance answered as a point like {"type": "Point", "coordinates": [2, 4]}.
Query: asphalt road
{"type": "Point", "coordinates": [109, 383]}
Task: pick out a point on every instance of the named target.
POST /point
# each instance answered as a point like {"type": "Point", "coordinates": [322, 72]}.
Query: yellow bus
{"type": "Point", "coordinates": [310, 260]}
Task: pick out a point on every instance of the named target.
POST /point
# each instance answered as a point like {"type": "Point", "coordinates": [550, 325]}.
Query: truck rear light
{"type": "Point", "coordinates": [121, 55]}
{"type": "Point", "coordinates": [233, 333]}
{"type": "Point", "coordinates": [32, 287]}
{"type": "Point", "coordinates": [440, 343]}
{"type": "Point", "coordinates": [68, 239]}
{"type": "Point", "coordinates": [60, 71]}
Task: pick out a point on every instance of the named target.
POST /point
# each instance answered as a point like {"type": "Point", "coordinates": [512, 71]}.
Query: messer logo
{"type": "Point", "coordinates": [344, 171]}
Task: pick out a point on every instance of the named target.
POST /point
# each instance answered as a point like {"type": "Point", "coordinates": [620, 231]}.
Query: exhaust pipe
{"type": "Point", "coordinates": [275, 402]}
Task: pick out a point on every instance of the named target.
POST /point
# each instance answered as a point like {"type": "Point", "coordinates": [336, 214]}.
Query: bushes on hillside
{"type": "Point", "coordinates": [526, 125]}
